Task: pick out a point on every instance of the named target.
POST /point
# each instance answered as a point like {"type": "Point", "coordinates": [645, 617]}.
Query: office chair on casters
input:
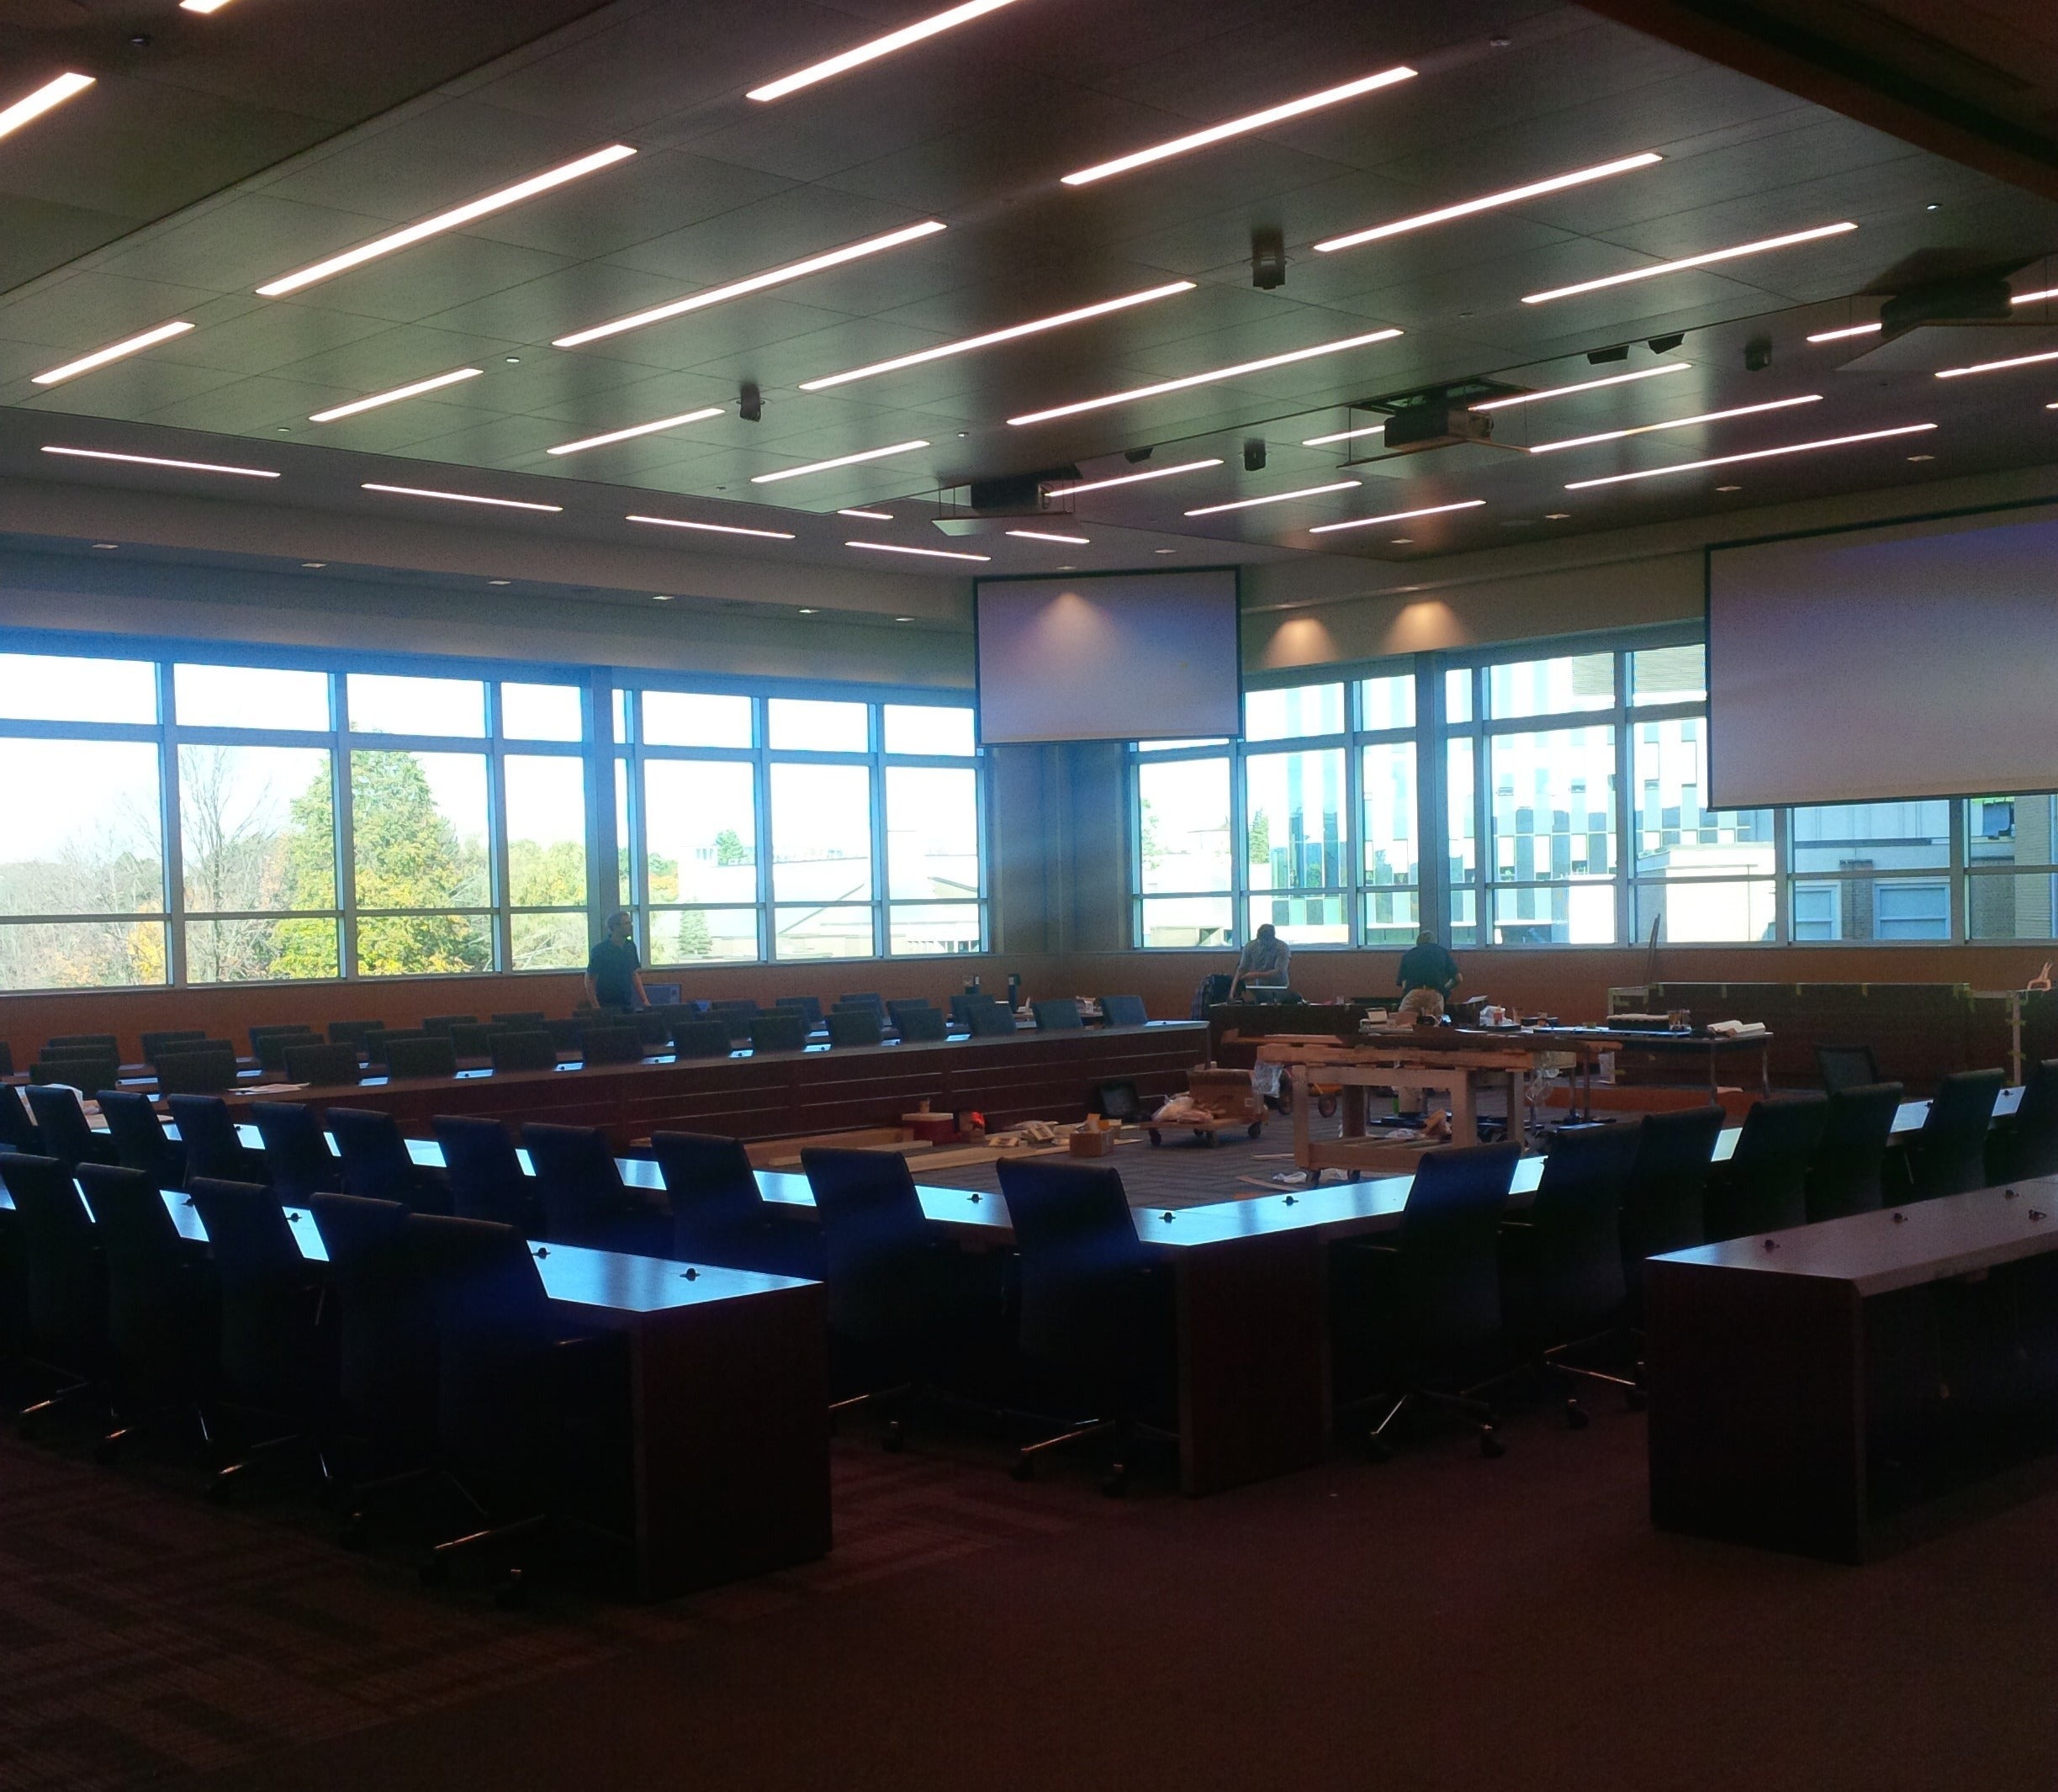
{"type": "Point", "coordinates": [808, 1007]}
{"type": "Point", "coordinates": [427, 1056]}
{"type": "Point", "coordinates": [849, 1026]}
{"type": "Point", "coordinates": [1949, 1155]}
{"type": "Point", "coordinates": [1763, 1187]}
{"type": "Point", "coordinates": [67, 1311]}
{"type": "Point", "coordinates": [377, 1164]}
{"type": "Point", "coordinates": [1845, 1177]}
{"type": "Point", "coordinates": [531, 1050]}
{"type": "Point", "coordinates": [719, 1214]}
{"type": "Point", "coordinates": [1061, 1015]}
{"type": "Point", "coordinates": [782, 1032]}
{"type": "Point", "coordinates": [610, 1044]}
{"type": "Point", "coordinates": [207, 1134]}
{"type": "Point", "coordinates": [1429, 1304]}
{"type": "Point", "coordinates": [1846, 1067]}
{"type": "Point", "coordinates": [270, 1047]}
{"type": "Point", "coordinates": [324, 1065]}
{"type": "Point", "coordinates": [701, 1038]}
{"type": "Point", "coordinates": [2029, 1146]}
{"type": "Point", "coordinates": [205, 1067]}
{"type": "Point", "coordinates": [67, 1135]}
{"type": "Point", "coordinates": [585, 1200]}
{"type": "Point", "coordinates": [298, 1161]}
{"type": "Point", "coordinates": [922, 1026]}
{"type": "Point", "coordinates": [1097, 1309]}
{"type": "Point", "coordinates": [139, 1141]}
{"type": "Point", "coordinates": [1123, 1010]}
{"type": "Point", "coordinates": [487, 1180]}
{"type": "Point", "coordinates": [1662, 1197]}
{"type": "Point", "coordinates": [18, 1128]}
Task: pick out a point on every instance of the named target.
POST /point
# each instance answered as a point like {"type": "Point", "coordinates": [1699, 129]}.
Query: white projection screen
{"type": "Point", "coordinates": [1137, 656]}
{"type": "Point", "coordinates": [1917, 659]}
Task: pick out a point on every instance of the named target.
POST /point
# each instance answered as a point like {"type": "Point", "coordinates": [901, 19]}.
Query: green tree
{"type": "Point", "coordinates": [1259, 850]}
{"type": "Point", "coordinates": [693, 939]}
{"type": "Point", "coordinates": [729, 848]}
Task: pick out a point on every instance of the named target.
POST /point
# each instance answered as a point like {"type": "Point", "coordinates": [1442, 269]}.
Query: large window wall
{"type": "Point", "coordinates": [1547, 795]}
{"type": "Point", "coordinates": [194, 815]}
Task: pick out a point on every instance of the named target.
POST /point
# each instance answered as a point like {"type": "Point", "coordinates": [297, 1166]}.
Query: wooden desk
{"type": "Point", "coordinates": [1811, 1392]}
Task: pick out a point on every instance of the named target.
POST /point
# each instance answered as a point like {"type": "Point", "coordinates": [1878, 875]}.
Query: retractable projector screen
{"type": "Point", "coordinates": [1919, 659]}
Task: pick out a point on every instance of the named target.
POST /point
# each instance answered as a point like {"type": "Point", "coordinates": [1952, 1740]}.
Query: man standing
{"type": "Point", "coordinates": [614, 971]}
{"type": "Point", "coordinates": [1428, 975]}
{"type": "Point", "coordinates": [1264, 964]}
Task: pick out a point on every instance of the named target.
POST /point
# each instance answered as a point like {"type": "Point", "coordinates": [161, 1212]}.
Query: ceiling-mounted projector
{"type": "Point", "coordinates": [1935, 312]}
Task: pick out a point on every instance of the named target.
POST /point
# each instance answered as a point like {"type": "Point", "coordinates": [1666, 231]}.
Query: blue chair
{"type": "Point", "coordinates": [376, 1163]}
{"type": "Point", "coordinates": [67, 1135]}
{"type": "Point", "coordinates": [207, 1134]}
{"type": "Point", "coordinates": [139, 1141]}
{"type": "Point", "coordinates": [298, 1161]}
{"type": "Point", "coordinates": [487, 1180]}
{"type": "Point", "coordinates": [585, 1200]}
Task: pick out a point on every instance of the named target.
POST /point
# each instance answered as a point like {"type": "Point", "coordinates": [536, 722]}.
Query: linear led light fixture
{"type": "Point", "coordinates": [841, 460]}
{"type": "Point", "coordinates": [1736, 252]}
{"type": "Point", "coordinates": [927, 553]}
{"type": "Point", "coordinates": [1584, 385]}
{"type": "Point", "coordinates": [201, 6]}
{"type": "Point", "coordinates": [1513, 196]}
{"type": "Point", "coordinates": [681, 522]}
{"type": "Point", "coordinates": [1252, 503]}
{"type": "Point", "coordinates": [1292, 109]}
{"type": "Point", "coordinates": [1009, 334]}
{"type": "Point", "coordinates": [34, 105]}
{"type": "Point", "coordinates": [640, 429]}
{"type": "Point", "coordinates": [1323, 442]}
{"type": "Point", "coordinates": [878, 47]}
{"type": "Point", "coordinates": [1873, 328]}
{"type": "Point", "coordinates": [449, 220]}
{"type": "Point", "coordinates": [1759, 454]}
{"type": "Point", "coordinates": [1044, 535]}
{"type": "Point", "coordinates": [423, 491]}
{"type": "Point", "coordinates": [870, 516]}
{"type": "Point", "coordinates": [1676, 423]}
{"type": "Point", "coordinates": [153, 460]}
{"type": "Point", "coordinates": [1213, 376]}
{"type": "Point", "coordinates": [1998, 367]}
{"type": "Point", "coordinates": [1398, 516]}
{"type": "Point", "coordinates": [1129, 478]}
{"type": "Point", "coordinates": [756, 283]}
{"type": "Point", "coordinates": [114, 351]}
{"type": "Point", "coordinates": [393, 397]}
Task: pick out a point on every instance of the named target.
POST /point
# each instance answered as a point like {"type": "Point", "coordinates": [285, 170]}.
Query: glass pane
{"type": "Point", "coordinates": [1386, 702]}
{"type": "Point", "coordinates": [1669, 674]}
{"type": "Point", "coordinates": [2011, 830]}
{"type": "Point", "coordinates": [414, 945]}
{"type": "Point", "coordinates": [621, 707]}
{"type": "Point", "coordinates": [1184, 808]}
{"type": "Point", "coordinates": [687, 718]}
{"type": "Point", "coordinates": [703, 936]}
{"type": "Point", "coordinates": [256, 831]}
{"type": "Point", "coordinates": [1187, 921]}
{"type": "Point", "coordinates": [808, 727]}
{"type": "Point", "coordinates": [922, 728]}
{"type": "Point", "coordinates": [1392, 916]}
{"type": "Point", "coordinates": [934, 928]}
{"type": "Point", "coordinates": [398, 705]}
{"type": "Point", "coordinates": [1872, 837]}
{"type": "Point", "coordinates": [1175, 746]}
{"type": "Point", "coordinates": [1555, 915]}
{"type": "Point", "coordinates": [701, 831]}
{"type": "Point", "coordinates": [1294, 814]}
{"type": "Point", "coordinates": [1305, 709]}
{"type": "Point", "coordinates": [1675, 836]}
{"type": "Point", "coordinates": [249, 697]}
{"type": "Point", "coordinates": [49, 687]}
{"type": "Point", "coordinates": [542, 712]}
{"type": "Point", "coordinates": [418, 823]}
{"type": "Point", "coordinates": [1464, 918]}
{"type": "Point", "coordinates": [823, 933]}
{"type": "Point", "coordinates": [63, 855]}
{"type": "Point", "coordinates": [1461, 820]}
{"type": "Point", "coordinates": [86, 954]}
{"type": "Point", "coordinates": [1457, 695]}
{"type": "Point", "coordinates": [1303, 921]}
{"type": "Point", "coordinates": [624, 878]}
{"type": "Point", "coordinates": [1551, 687]}
{"type": "Point", "coordinates": [821, 838]}
{"type": "Point", "coordinates": [1553, 806]}
{"type": "Point", "coordinates": [2003, 907]}
{"type": "Point", "coordinates": [1687, 912]}
{"type": "Point", "coordinates": [1872, 908]}
{"type": "Point", "coordinates": [1386, 787]}
{"type": "Point", "coordinates": [545, 823]}
{"type": "Point", "coordinates": [249, 951]}
{"type": "Point", "coordinates": [932, 834]}
{"type": "Point", "coordinates": [547, 942]}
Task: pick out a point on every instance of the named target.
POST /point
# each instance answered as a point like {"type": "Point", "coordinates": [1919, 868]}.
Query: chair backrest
{"type": "Point", "coordinates": [202, 1069]}
{"type": "Point", "coordinates": [376, 1165]}
{"type": "Point", "coordinates": [701, 1038]}
{"type": "Point", "coordinates": [1846, 1067]}
{"type": "Point", "coordinates": [61, 1119]}
{"type": "Point", "coordinates": [718, 1211]}
{"type": "Point", "coordinates": [268, 1029]}
{"type": "Point", "coordinates": [527, 1020]}
{"type": "Point", "coordinates": [989, 1019]}
{"type": "Point", "coordinates": [138, 1136]}
{"type": "Point", "coordinates": [487, 1180]}
{"type": "Point", "coordinates": [207, 1133]}
{"type": "Point", "coordinates": [1662, 1198]}
{"type": "Point", "coordinates": [267, 1308]}
{"type": "Point", "coordinates": [7, 1058]}
{"type": "Point", "coordinates": [778, 1033]}
{"type": "Point", "coordinates": [298, 1161]}
{"type": "Point", "coordinates": [1059, 1015]}
{"type": "Point", "coordinates": [444, 1023]}
{"type": "Point", "coordinates": [1078, 1257]}
{"type": "Point", "coordinates": [472, 1039]}
{"type": "Point", "coordinates": [874, 1236]}
{"type": "Point", "coordinates": [2032, 1142]}
{"type": "Point", "coordinates": [354, 1032]}
{"type": "Point", "coordinates": [854, 1026]}
{"type": "Point", "coordinates": [154, 1042]}
{"type": "Point", "coordinates": [384, 1322]}
{"type": "Point", "coordinates": [1844, 1177]}
{"type": "Point", "coordinates": [1123, 1010]}
{"type": "Point", "coordinates": [610, 1045]}
{"type": "Point", "coordinates": [153, 1289]}
{"type": "Point", "coordinates": [652, 1028]}
{"type": "Point", "coordinates": [1447, 1294]}
{"type": "Point", "coordinates": [580, 1189]}
{"type": "Point", "coordinates": [422, 1057]}
{"type": "Point", "coordinates": [1949, 1155]}
{"type": "Point", "coordinates": [17, 1127]}
{"type": "Point", "coordinates": [900, 1005]}
{"type": "Point", "coordinates": [82, 1045]}
{"type": "Point", "coordinates": [808, 1007]}
{"type": "Point", "coordinates": [863, 999]}
{"type": "Point", "coordinates": [921, 1026]}
{"type": "Point", "coordinates": [271, 1046]}
{"type": "Point", "coordinates": [324, 1065]}
{"type": "Point", "coordinates": [533, 1050]}
{"type": "Point", "coordinates": [68, 1281]}
{"type": "Point", "coordinates": [1574, 1287]}
{"type": "Point", "coordinates": [78, 1073]}
{"type": "Point", "coordinates": [1764, 1186]}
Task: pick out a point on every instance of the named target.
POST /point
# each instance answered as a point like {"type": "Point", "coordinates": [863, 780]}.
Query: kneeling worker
{"type": "Point", "coordinates": [1428, 975]}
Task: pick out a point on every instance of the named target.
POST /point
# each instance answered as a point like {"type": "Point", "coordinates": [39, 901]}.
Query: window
{"type": "Point", "coordinates": [46, 687]}
{"type": "Point", "coordinates": [411, 705]}
{"type": "Point", "coordinates": [545, 810]}
{"type": "Point", "coordinates": [258, 846]}
{"type": "Point", "coordinates": [1297, 845]}
{"type": "Point", "coordinates": [1186, 881]}
{"type": "Point", "coordinates": [701, 829]}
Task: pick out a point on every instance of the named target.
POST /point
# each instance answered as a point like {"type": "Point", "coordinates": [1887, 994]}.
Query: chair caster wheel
{"type": "Point", "coordinates": [1157, 1137]}
{"type": "Point", "coordinates": [434, 1573]}
{"type": "Point", "coordinates": [895, 1437]}
{"type": "Point", "coordinates": [1024, 1467]}
{"type": "Point", "coordinates": [511, 1595]}
{"type": "Point", "coordinates": [1256, 1129]}
{"type": "Point", "coordinates": [1114, 1485]}
{"type": "Point", "coordinates": [1576, 1418]}
{"type": "Point", "coordinates": [1326, 1105]}
{"type": "Point", "coordinates": [1378, 1450]}
{"type": "Point", "coordinates": [1636, 1399]}
{"type": "Point", "coordinates": [1490, 1445]}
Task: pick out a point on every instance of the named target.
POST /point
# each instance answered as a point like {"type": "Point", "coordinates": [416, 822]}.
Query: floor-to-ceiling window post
{"type": "Point", "coordinates": [1431, 803]}
{"type": "Point", "coordinates": [604, 891]}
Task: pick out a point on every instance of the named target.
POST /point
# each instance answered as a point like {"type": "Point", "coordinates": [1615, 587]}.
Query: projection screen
{"type": "Point", "coordinates": [1140, 656]}
{"type": "Point", "coordinates": [1912, 660]}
